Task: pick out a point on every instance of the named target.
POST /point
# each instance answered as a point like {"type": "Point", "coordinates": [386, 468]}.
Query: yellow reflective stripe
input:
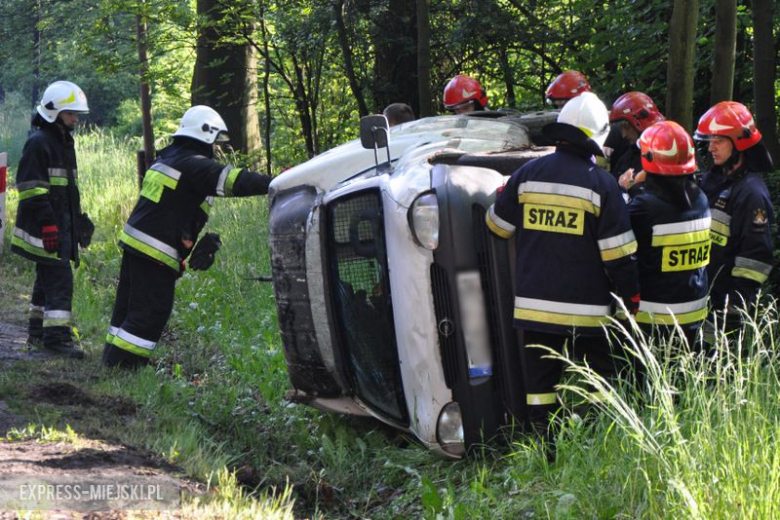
{"type": "Point", "coordinates": [669, 319]}
{"type": "Point", "coordinates": [618, 246]}
{"type": "Point", "coordinates": [497, 228]}
{"type": "Point", "coordinates": [750, 274]}
{"type": "Point", "coordinates": [679, 239]}
{"type": "Point", "coordinates": [207, 204]}
{"type": "Point", "coordinates": [59, 181]}
{"type": "Point", "coordinates": [721, 228]}
{"type": "Point", "coordinates": [149, 250]}
{"type": "Point", "coordinates": [541, 399]}
{"type": "Point", "coordinates": [127, 346]}
{"type": "Point", "coordinates": [33, 192]}
{"type": "Point", "coordinates": [230, 181]}
{"type": "Point", "coordinates": [160, 178]}
{"type": "Point", "coordinates": [619, 252]}
{"type": "Point", "coordinates": [565, 201]}
{"type": "Point", "coordinates": [571, 320]}
{"type": "Point", "coordinates": [566, 190]}
{"type": "Point", "coordinates": [32, 245]}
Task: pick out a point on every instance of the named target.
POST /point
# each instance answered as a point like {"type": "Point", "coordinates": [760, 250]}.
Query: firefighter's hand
{"type": "Point", "coordinates": [51, 238]}
{"type": "Point", "coordinates": [86, 229]}
{"type": "Point", "coordinates": [203, 254]}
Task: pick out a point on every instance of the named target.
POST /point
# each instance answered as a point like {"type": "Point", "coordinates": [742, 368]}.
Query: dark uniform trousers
{"type": "Point", "coordinates": [543, 373]}
{"type": "Point", "coordinates": [52, 295]}
{"type": "Point", "coordinates": [144, 301]}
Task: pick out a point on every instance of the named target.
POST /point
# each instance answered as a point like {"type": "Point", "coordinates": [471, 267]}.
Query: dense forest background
{"type": "Point", "coordinates": [292, 78]}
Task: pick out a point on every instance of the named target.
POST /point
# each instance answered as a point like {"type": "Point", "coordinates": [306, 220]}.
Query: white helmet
{"type": "Point", "coordinates": [62, 96]}
{"type": "Point", "coordinates": [589, 115]}
{"type": "Point", "coordinates": [204, 124]}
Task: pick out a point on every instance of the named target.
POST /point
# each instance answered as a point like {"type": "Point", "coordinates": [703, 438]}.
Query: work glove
{"type": "Point", "coordinates": [86, 229]}
{"type": "Point", "coordinates": [203, 254]}
{"type": "Point", "coordinates": [51, 238]}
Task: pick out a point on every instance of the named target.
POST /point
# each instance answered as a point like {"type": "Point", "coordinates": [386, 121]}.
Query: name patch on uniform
{"type": "Point", "coordinates": [719, 239]}
{"type": "Point", "coordinates": [685, 257]}
{"type": "Point", "coordinates": [554, 219]}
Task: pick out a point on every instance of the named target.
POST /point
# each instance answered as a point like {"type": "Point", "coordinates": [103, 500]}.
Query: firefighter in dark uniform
{"type": "Point", "coordinates": [671, 220]}
{"type": "Point", "coordinates": [566, 86]}
{"type": "Point", "coordinates": [464, 94]}
{"type": "Point", "coordinates": [49, 223]}
{"type": "Point", "coordinates": [631, 114]}
{"type": "Point", "coordinates": [173, 208]}
{"type": "Point", "coordinates": [742, 213]}
{"type": "Point", "coordinates": [574, 247]}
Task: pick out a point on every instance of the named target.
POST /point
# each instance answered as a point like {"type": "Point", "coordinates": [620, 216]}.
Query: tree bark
{"type": "Point", "coordinates": [225, 76]}
{"type": "Point", "coordinates": [424, 59]}
{"type": "Point", "coordinates": [682, 38]}
{"type": "Point", "coordinates": [764, 75]}
{"type": "Point", "coordinates": [724, 52]}
{"type": "Point", "coordinates": [395, 60]}
{"type": "Point", "coordinates": [346, 51]}
{"type": "Point", "coordinates": [146, 99]}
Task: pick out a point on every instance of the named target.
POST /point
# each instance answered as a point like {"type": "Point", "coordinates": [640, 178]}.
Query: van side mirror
{"type": "Point", "coordinates": [375, 133]}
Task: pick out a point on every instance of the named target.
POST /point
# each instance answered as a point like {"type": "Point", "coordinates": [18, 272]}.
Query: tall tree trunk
{"type": "Point", "coordinates": [225, 76]}
{"type": "Point", "coordinates": [395, 61]}
{"type": "Point", "coordinates": [764, 75]}
{"type": "Point", "coordinates": [679, 75]}
{"type": "Point", "coordinates": [346, 51]}
{"type": "Point", "coordinates": [508, 73]}
{"type": "Point", "coordinates": [725, 51]}
{"type": "Point", "coordinates": [146, 99]}
{"type": "Point", "coordinates": [424, 59]}
{"type": "Point", "coordinates": [266, 97]}
{"type": "Point", "coordinates": [36, 36]}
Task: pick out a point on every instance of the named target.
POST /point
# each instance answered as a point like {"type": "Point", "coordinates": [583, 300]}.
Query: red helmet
{"type": "Point", "coordinates": [667, 149]}
{"type": "Point", "coordinates": [729, 119]}
{"type": "Point", "coordinates": [567, 85]}
{"type": "Point", "coordinates": [638, 109]}
{"type": "Point", "coordinates": [463, 89]}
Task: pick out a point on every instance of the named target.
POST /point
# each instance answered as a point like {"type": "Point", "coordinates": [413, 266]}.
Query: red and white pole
{"type": "Point", "coordinates": [3, 169]}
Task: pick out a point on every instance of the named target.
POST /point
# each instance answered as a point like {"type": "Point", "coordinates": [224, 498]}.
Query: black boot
{"type": "Point", "coordinates": [114, 356]}
{"type": "Point", "coordinates": [544, 430]}
{"type": "Point", "coordinates": [35, 331]}
{"type": "Point", "coordinates": [60, 341]}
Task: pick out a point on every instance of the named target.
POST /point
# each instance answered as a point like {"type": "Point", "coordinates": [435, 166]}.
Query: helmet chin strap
{"type": "Point", "coordinates": [732, 161]}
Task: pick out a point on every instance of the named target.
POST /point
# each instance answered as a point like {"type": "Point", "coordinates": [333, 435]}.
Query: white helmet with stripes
{"type": "Point", "coordinates": [62, 96]}
{"type": "Point", "coordinates": [204, 124]}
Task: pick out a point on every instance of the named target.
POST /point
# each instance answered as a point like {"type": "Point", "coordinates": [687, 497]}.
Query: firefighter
{"type": "Point", "coordinates": [742, 214]}
{"type": "Point", "coordinates": [574, 247]}
{"type": "Point", "coordinates": [398, 114]}
{"type": "Point", "coordinates": [50, 225]}
{"type": "Point", "coordinates": [671, 221]}
{"type": "Point", "coordinates": [173, 208]}
{"type": "Point", "coordinates": [568, 85]}
{"type": "Point", "coordinates": [464, 94]}
{"type": "Point", "coordinates": [631, 114]}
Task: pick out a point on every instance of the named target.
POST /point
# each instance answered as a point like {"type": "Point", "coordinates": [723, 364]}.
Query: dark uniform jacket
{"type": "Point", "coordinates": [47, 180]}
{"type": "Point", "coordinates": [574, 243]}
{"type": "Point", "coordinates": [674, 251]}
{"type": "Point", "coordinates": [631, 158]}
{"type": "Point", "coordinates": [176, 198]}
{"type": "Point", "coordinates": [742, 218]}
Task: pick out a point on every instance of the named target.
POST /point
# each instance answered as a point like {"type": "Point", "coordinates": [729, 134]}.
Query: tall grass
{"type": "Point", "coordinates": [700, 440]}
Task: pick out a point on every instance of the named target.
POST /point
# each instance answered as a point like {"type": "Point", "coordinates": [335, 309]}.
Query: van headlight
{"type": "Point", "coordinates": [424, 220]}
{"type": "Point", "coordinates": [449, 430]}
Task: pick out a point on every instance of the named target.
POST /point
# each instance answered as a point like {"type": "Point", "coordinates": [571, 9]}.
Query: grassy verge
{"type": "Point", "coordinates": [702, 444]}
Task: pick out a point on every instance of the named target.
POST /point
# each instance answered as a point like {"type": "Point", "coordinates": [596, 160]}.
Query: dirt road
{"type": "Point", "coordinates": [29, 456]}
